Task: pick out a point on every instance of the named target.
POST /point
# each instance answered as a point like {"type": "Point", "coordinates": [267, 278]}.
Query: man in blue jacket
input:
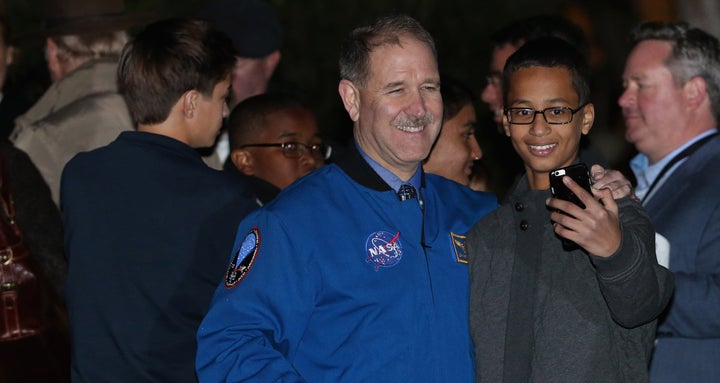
{"type": "Point", "coordinates": [358, 271]}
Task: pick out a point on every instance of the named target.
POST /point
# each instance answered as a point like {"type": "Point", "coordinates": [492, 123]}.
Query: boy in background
{"type": "Point", "coordinates": [274, 140]}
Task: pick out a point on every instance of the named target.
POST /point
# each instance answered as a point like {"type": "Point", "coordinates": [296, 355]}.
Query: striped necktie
{"type": "Point", "coordinates": [407, 192]}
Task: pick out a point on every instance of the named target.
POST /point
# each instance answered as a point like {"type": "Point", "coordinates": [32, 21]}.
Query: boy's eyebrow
{"type": "Point", "coordinates": [559, 99]}
{"type": "Point", "coordinates": [552, 100]}
{"type": "Point", "coordinates": [287, 134]}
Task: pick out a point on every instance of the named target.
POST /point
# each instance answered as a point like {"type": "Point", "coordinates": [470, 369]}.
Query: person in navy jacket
{"type": "Point", "coordinates": [147, 224]}
{"type": "Point", "coordinates": [670, 105]}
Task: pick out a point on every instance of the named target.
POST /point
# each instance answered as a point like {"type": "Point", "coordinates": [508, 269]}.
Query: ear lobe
{"type": "Point", "coordinates": [271, 62]}
{"type": "Point", "coordinates": [243, 161]}
{"type": "Point", "coordinates": [695, 91]}
{"type": "Point", "coordinates": [190, 103]}
{"type": "Point", "coordinates": [50, 46]}
{"type": "Point", "coordinates": [51, 57]}
{"type": "Point", "coordinates": [588, 116]}
{"type": "Point", "coordinates": [9, 55]}
{"type": "Point", "coordinates": [506, 125]}
{"type": "Point", "coordinates": [350, 96]}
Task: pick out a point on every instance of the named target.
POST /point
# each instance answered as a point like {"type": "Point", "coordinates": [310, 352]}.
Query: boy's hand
{"type": "Point", "coordinates": [595, 228]}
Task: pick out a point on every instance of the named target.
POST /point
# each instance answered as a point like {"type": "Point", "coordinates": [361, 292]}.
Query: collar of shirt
{"type": "Point", "coordinates": [646, 173]}
{"type": "Point", "coordinates": [391, 179]}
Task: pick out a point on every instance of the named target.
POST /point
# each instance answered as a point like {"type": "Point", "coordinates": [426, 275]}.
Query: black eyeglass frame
{"type": "Point", "coordinates": [536, 112]}
{"type": "Point", "coordinates": [324, 150]}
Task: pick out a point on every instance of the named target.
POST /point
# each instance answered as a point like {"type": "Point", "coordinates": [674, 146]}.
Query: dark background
{"type": "Point", "coordinates": [314, 30]}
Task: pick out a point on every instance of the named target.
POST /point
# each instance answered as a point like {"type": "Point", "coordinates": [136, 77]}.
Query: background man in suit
{"type": "Point", "coordinates": [670, 106]}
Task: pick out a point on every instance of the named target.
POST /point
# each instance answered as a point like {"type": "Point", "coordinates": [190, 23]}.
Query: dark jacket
{"type": "Point", "coordinates": [149, 230]}
{"type": "Point", "coordinates": [561, 316]}
{"type": "Point", "coordinates": [685, 209]}
{"type": "Point", "coordinates": [36, 214]}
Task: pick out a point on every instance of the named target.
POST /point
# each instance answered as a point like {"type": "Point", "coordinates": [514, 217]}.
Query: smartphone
{"type": "Point", "coordinates": [580, 174]}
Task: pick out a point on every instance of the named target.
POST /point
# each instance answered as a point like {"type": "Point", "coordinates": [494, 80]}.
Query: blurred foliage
{"type": "Point", "coordinates": [314, 30]}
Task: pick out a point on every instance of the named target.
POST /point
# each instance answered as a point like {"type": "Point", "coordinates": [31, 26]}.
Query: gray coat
{"type": "Point", "coordinates": [79, 112]}
{"type": "Point", "coordinates": [561, 316]}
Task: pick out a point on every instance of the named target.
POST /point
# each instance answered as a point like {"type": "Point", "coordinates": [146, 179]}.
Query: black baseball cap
{"type": "Point", "coordinates": [252, 25]}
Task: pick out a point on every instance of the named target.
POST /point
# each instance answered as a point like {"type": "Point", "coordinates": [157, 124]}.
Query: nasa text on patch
{"type": "Point", "coordinates": [383, 249]}
{"type": "Point", "coordinates": [243, 259]}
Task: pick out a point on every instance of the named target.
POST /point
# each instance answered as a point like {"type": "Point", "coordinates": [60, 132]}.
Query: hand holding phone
{"type": "Point", "coordinates": [580, 174]}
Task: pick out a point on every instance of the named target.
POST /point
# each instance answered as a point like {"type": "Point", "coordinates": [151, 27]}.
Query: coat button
{"type": "Point", "coordinates": [519, 206]}
{"type": "Point", "coordinates": [524, 225]}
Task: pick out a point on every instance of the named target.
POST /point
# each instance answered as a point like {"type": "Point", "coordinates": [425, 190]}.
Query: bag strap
{"type": "Point", "coordinates": [6, 199]}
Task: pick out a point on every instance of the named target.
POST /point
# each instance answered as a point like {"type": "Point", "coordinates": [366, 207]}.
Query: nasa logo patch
{"type": "Point", "coordinates": [458, 242]}
{"type": "Point", "coordinates": [383, 249]}
{"type": "Point", "coordinates": [244, 258]}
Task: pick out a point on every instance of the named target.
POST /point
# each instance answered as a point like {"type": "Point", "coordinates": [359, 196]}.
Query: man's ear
{"type": "Point", "coordinates": [9, 55]}
{"type": "Point", "coordinates": [350, 96]}
{"type": "Point", "coordinates": [51, 56]}
{"type": "Point", "coordinates": [695, 92]}
{"type": "Point", "coordinates": [270, 63]}
{"type": "Point", "coordinates": [190, 101]}
{"type": "Point", "coordinates": [588, 118]}
{"type": "Point", "coordinates": [243, 161]}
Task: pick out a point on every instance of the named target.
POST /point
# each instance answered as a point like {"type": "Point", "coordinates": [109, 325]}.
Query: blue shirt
{"type": "Point", "coordinates": [390, 178]}
{"type": "Point", "coordinates": [646, 173]}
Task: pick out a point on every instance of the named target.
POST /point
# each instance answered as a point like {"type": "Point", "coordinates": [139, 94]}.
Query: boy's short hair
{"type": "Point", "coordinates": [167, 59]}
{"type": "Point", "coordinates": [550, 52]}
{"type": "Point", "coordinates": [247, 119]}
{"type": "Point", "coordinates": [543, 25]}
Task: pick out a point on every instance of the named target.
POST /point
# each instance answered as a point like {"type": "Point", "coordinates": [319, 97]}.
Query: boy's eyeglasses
{"type": "Point", "coordinates": [556, 115]}
{"type": "Point", "coordinates": [298, 149]}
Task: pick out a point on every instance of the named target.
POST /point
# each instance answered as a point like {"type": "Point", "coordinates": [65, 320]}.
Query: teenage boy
{"type": "Point", "coordinates": [538, 312]}
{"type": "Point", "coordinates": [148, 225]}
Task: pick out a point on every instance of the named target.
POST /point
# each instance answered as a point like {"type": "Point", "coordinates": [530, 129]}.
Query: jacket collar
{"type": "Point", "coordinates": [355, 166]}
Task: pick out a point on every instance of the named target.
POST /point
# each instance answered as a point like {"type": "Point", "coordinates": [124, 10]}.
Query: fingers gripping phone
{"type": "Point", "coordinates": [580, 174]}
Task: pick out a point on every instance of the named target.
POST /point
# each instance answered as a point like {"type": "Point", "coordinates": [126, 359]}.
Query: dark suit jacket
{"type": "Point", "coordinates": [686, 211]}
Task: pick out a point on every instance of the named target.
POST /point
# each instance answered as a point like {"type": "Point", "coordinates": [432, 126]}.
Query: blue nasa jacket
{"type": "Point", "coordinates": [333, 281]}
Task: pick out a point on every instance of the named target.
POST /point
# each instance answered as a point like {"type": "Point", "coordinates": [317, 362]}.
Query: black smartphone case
{"type": "Point", "coordinates": [580, 174]}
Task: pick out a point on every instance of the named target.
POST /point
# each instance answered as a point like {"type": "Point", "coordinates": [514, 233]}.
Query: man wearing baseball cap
{"type": "Point", "coordinates": [81, 110]}
{"type": "Point", "coordinates": [256, 34]}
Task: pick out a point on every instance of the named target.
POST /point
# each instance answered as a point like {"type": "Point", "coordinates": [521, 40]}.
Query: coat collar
{"type": "Point", "coordinates": [361, 172]}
